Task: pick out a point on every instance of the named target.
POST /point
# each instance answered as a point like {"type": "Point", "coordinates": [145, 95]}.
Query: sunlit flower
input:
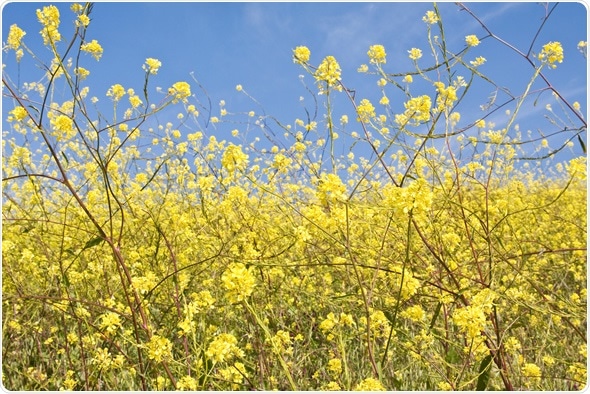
{"type": "Point", "coordinates": [377, 54]}
{"type": "Point", "coordinates": [328, 73]}
{"type": "Point", "coordinates": [552, 52]}
{"type": "Point", "coordinates": [152, 65]}
{"type": "Point", "coordinates": [238, 281]}
{"type": "Point", "coordinates": [478, 61]}
{"type": "Point", "coordinates": [369, 384]}
{"type": "Point", "coordinates": [94, 48]}
{"type": "Point", "coordinates": [415, 53]}
{"type": "Point", "coordinates": [15, 36]}
{"type": "Point", "coordinates": [180, 91]}
{"type": "Point", "coordinates": [159, 348]}
{"type": "Point", "coordinates": [301, 54]}
{"type": "Point", "coordinates": [116, 92]}
{"type": "Point", "coordinates": [49, 18]}
{"type": "Point", "coordinates": [472, 40]}
{"type": "Point", "coordinates": [18, 114]}
{"type": "Point", "coordinates": [430, 17]}
{"type": "Point", "coordinates": [223, 348]}
{"type": "Point", "coordinates": [365, 111]}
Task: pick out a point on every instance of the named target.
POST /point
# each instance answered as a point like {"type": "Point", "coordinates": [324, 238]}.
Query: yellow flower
{"type": "Point", "coordinates": [377, 54]}
{"type": "Point", "coordinates": [478, 61]}
{"type": "Point", "coordinates": [110, 323]}
{"type": "Point", "coordinates": [116, 92]}
{"type": "Point", "coordinates": [417, 109]}
{"type": "Point", "coordinates": [384, 100]}
{"type": "Point", "coordinates": [152, 65]}
{"type": "Point", "coordinates": [531, 370]}
{"type": "Point", "coordinates": [329, 72]}
{"type": "Point", "coordinates": [49, 18]}
{"type": "Point", "coordinates": [415, 53]}
{"type": "Point", "coordinates": [234, 158]}
{"type": "Point", "coordinates": [239, 88]}
{"type": "Point", "coordinates": [334, 366]}
{"type": "Point", "coordinates": [408, 79]}
{"type": "Point", "coordinates": [365, 111]}
{"type": "Point", "coordinates": [223, 348]}
{"type": "Point", "coordinates": [238, 281]}
{"type": "Point", "coordinates": [446, 95]}
{"type": "Point", "coordinates": [15, 36]}
{"type": "Point", "coordinates": [472, 40]}
{"type": "Point", "coordinates": [301, 55]}
{"type": "Point", "coordinates": [159, 348]}
{"type": "Point", "coordinates": [65, 125]}
{"type": "Point", "coordinates": [180, 91]}
{"type": "Point", "coordinates": [18, 113]}
{"type": "Point", "coordinates": [186, 383]}
{"type": "Point", "coordinates": [93, 48]}
{"type": "Point", "coordinates": [369, 384]}
{"type": "Point", "coordinates": [83, 20]}
{"type": "Point", "coordinates": [552, 52]}
{"type": "Point", "coordinates": [430, 17]}
{"type": "Point", "coordinates": [363, 68]}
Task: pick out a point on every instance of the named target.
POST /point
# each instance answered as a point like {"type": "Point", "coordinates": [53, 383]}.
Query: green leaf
{"type": "Point", "coordinates": [484, 373]}
{"type": "Point", "coordinates": [92, 243]}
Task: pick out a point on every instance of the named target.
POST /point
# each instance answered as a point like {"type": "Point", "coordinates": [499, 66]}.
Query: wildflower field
{"type": "Point", "coordinates": [146, 253]}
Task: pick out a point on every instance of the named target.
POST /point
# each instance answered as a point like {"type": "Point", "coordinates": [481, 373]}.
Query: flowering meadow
{"type": "Point", "coordinates": [143, 251]}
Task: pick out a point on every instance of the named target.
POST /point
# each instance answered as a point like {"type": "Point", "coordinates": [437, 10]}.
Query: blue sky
{"type": "Point", "coordinates": [225, 44]}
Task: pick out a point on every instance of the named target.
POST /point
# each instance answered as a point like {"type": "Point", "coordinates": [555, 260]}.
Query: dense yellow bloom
{"type": "Point", "coordinates": [64, 126]}
{"type": "Point", "coordinates": [471, 320]}
{"type": "Point", "coordinates": [377, 54]}
{"type": "Point", "coordinates": [552, 52]}
{"type": "Point", "coordinates": [116, 92]}
{"type": "Point", "coordinates": [301, 54]}
{"type": "Point", "coordinates": [238, 281]}
{"type": "Point", "coordinates": [83, 20]}
{"type": "Point", "coordinates": [430, 17]}
{"type": "Point", "coordinates": [223, 348]}
{"type": "Point", "coordinates": [15, 36]}
{"type": "Point", "coordinates": [418, 109]}
{"type": "Point", "coordinates": [49, 18]}
{"type": "Point", "coordinates": [334, 366]}
{"type": "Point", "coordinates": [446, 96]}
{"type": "Point", "coordinates": [152, 65]}
{"type": "Point", "coordinates": [186, 383]}
{"type": "Point", "coordinates": [110, 323]}
{"type": "Point", "coordinates": [18, 114]}
{"type": "Point", "coordinates": [472, 40]}
{"type": "Point", "coordinates": [93, 48]}
{"type": "Point", "coordinates": [370, 384]}
{"type": "Point", "coordinates": [365, 111]}
{"type": "Point", "coordinates": [234, 158]}
{"type": "Point", "coordinates": [328, 72]}
{"type": "Point", "coordinates": [531, 370]}
{"type": "Point", "coordinates": [159, 348]}
{"type": "Point", "coordinates": [415, 53]}
{"type": "Point", "coordinates": [180, 91]}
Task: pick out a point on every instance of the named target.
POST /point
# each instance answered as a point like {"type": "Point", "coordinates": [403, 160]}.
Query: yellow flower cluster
{"type": "Point", "coordinates": [159, 348]}
{"type": "Point", "coordinates": [152, 65]}
{"type": "Point", "coordinates": [430, 17]}
{"type": "Point", "coordinates": [49, 18]}
{"type": "Point", "coordinates": [116, 92]}
{"type": "Point", "coordinates": [552, 52]}
{"type": "Point", "coordinates": [301, 55]}
{"type": "Point", "coordinates": [370, 384]}
{"type": "Point", "coordinates": [365, 111]}
{"type": "Point", "coordinates": [446, 95]}
{"type": "Point", "coordinates": [415, 53]}
{"type": "Point", "coordinates": [223, 348]}
{"type": "Point", "coordinates": [180, 91]}
{"type": "Point", "coordinates": [417, 111]}
{"type": "Point", "coordinates": [328, 74]}
{"type": "Point", "coordinates": [377, 54]}
{"type": "Point", "coordinates": [239, 282]}
{"type": "Point", "coordinates": [93, 48]}
{"type": "Point", "coordinates": [472, 40]}
{"type": "Point", "coordinates": [234, 158]}
{"type": "Point", "coordinates": [15, 36]}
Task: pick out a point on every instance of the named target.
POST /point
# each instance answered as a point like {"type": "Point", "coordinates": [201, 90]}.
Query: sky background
{"type": "Point", "coordinates": [225, 44]}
